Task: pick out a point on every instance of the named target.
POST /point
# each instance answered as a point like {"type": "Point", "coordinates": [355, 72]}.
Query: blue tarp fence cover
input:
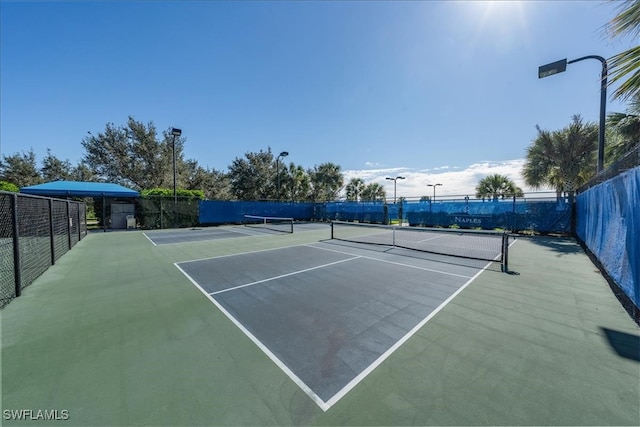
{"type": "Point", "coordinates": [517, 215]}
{"type": "Point", "coordinates": [544, 216]}
{"type": "Point", "coordinates": [230, 212]}
{"type": "Point", "coordinates": [608, 222]}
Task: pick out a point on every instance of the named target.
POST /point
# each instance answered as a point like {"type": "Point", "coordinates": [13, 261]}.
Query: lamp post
{"type": "Point", "coordinates": [434, 195]}
{"type": "Point", "coordinates": [395, 181]}
{"type": "Point", "coordinates": [175, 132]}
{"type": "Point", "coordinates": [282, 154]}
{"type": "Point", "coordinates": [560, 67]}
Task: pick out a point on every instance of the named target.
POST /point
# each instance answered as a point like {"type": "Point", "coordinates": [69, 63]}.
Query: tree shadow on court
{"type": "Point", "coordinates": [626, 345]}
{"type": "Point", "coordinates": [561, 245]}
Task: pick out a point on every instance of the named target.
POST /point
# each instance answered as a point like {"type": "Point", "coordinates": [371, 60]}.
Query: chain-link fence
{"type": "Point", "coordinates": [34, 233]}
{"type": "Point", "coordinates": [629, 161]}
{"type": "Point", "coordinates": [517, 214]}
{"type": "Point", "coordinates": [7, 283]}
{"type": "Point", "coordinates": [158, 212]}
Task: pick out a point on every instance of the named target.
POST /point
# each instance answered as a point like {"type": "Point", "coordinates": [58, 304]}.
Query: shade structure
{"type": "Point", "coordinates": [79, 189]}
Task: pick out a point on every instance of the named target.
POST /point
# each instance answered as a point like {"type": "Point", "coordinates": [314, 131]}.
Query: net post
{"type": "Point", "coordinates": [393, 236]}
{"type": "Point", "coordinates": [331, 230]}
{"type": "Point", "coordinates": [291, 225]}
{"type": "Point", "coordinates": [505, 252]}
{"type": "Point", "coordinates": [17, 273]}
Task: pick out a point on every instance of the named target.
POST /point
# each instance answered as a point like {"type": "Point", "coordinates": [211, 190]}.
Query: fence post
{"type": "Point", "coordinates": [17, 273]}
{"type": "Point", "coordinates": [51, 231]}
{"type": "Point", "coordinates": [572, 213]}
{"type": "Point", "coordinates": [68, 225]}
{"type": "Point", "coordinates": [513, 224]}
{"type": "Point", "coordinates": [79, 224]}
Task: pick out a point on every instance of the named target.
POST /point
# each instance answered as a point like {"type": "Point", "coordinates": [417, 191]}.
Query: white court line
{"type": "Point", "coordinates": [247, 232]}
{"type": "Point", "coordinates": [391, 262]}
{"type": "Point", "coordinates": [325, 406]}
{"type": "Point", "coordinates": [149, 239]}
{"type": "Point", "coordinates": [283, 275]}
{"type": "Point", "coordinates": [206, 239]}
{"type": "Point", "coordinates": [362, 375]}
{"type": "Point", "coordinates": [305, 388]}
{"type": "Point", "coordinates": [430, 238]}
{"type": "Point", "coordinates": [169, 234]}
{"type": "Point", "coordinates": [242, 253]}
{"type": "Point", "coordinates": [192, 233]}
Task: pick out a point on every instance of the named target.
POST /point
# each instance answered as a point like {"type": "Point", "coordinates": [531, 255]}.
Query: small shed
{"type": "Point", "coordinates": [122, 214]}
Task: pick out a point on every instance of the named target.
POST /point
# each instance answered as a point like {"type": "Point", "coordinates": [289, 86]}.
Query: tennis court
{"type": "Point", "coordinates": [327, 314]}
{"type": "Point", "coordinates": [299, 329]}
{"type": "Point", "coordinates": [254, 226]}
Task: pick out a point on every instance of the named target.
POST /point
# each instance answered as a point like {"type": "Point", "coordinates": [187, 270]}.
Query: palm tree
{"type": "Point", "coordinates": [326, 181]}
{"type": "Point", "coordinates": [373, 192]}
{"type": "Point", "coordinates": [626, 22]}
{"type": "Point", "coordinates": [354, 189]}
{"type": "Point", "coordinates": [296, 182]}
{"type": "Point", "coordinates": [625, 130]}
{"type": "Point", "coordinates": [562, 159]}
{"type": "Point", "coordinates": [497, 186]}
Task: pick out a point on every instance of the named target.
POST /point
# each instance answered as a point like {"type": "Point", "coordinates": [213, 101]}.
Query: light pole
{"type": "Point", "coordinates": [395, 181]}
{"type": "Point", "coordinates": [282, 154]}
{"type": "Point", "coordinates": [175, 132]}
{"type": "Point", "coordinates": [560, 67]}
{"type": "Point", "coordinates": [434, 195]}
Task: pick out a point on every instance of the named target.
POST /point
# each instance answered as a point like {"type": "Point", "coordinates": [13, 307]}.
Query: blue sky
{"type": "Point", "coordinates": [415, 88]}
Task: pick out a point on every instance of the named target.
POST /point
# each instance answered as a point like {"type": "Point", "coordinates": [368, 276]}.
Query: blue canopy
{"type": "Point", "coordinates": [79, 189]}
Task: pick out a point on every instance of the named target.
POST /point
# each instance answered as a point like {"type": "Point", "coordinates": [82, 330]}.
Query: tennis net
{"type": "Point", "coordinates": [484, 245]}
{"type": "Point", "coordinates": [284, 225]}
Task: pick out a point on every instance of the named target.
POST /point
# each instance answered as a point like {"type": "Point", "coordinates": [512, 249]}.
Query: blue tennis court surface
{"type": "Point", "coordinates": [326, 313]}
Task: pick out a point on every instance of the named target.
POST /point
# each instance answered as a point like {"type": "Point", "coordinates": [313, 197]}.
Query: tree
{"type": "Point", "coordinates": [354, 189]}
{"type": "Point", "coordinates": [296, 183]}
{"type": "Point", "coordinates": [252, 177]}
{"type": "Point", "coordinates": [623, 130]}
{"type": "Point", "coordinates": [82, 172]}
{"type": "Point", "coordinates": [54, 169]}
{"type": "Point", "coordinates": [497, 186]}
{"type": "Point", "coordinates": [131, 155]}
{"type": "Point", "coordinates": [563, 159]}
{"type": "Point", "coordinates": [20, 169]}
{"type": "Point", "coordinates": [219, 187]}
{"type": "Point", "coordinates": [373, 192]}
{"type": "Point", "coordinates": [7, 186]}
{"type": "Point", "coordinates": [326, 182]}
{"type": "Point", "coordinates": [213, 183]}
{"type": "Point", "coordinates": [626, 22]}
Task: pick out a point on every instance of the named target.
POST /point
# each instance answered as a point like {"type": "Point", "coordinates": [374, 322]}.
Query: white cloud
{"type": "Point", "coordinates": [455, 180]}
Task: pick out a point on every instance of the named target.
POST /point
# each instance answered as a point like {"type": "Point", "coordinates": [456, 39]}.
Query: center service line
{"type": "Point", "coordinates": [283, 275]}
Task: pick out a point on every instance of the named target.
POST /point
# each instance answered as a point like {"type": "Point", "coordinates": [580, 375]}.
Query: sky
{"type": "Point", "coordinates": [438, 92]}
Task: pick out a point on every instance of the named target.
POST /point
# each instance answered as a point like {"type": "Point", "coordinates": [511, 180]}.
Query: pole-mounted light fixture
{"type": "Point", "coordinates": [561, 66]}
{"type": "Point", "coordinates": [282, 154]}
{"type": "Point", "coordinates": [176, 133]}
{"type": "Point", "coordinates": [395, 180]}
{"type": "Point", "coordinates": [434, 195]}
